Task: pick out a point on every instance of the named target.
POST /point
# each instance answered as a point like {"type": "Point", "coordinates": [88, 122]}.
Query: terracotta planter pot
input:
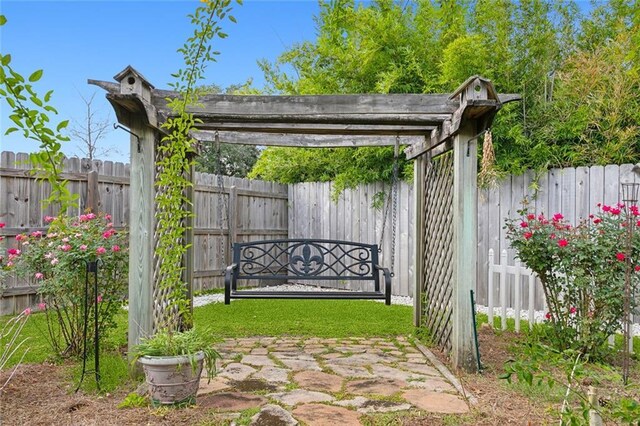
{"type": "Point", "coordinates": [171, 379]}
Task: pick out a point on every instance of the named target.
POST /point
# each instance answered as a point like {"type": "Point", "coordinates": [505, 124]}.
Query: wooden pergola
{"type": "Point", "coordinates": [429, 124]}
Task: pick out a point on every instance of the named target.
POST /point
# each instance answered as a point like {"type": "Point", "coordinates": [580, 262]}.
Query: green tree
{"type": "Point", "coordinates": [228, 159]}
{"type": "Point", "coordinates": [525, 47]}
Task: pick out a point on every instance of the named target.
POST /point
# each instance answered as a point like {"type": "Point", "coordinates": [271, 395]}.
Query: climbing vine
{"type": "Point", "coordinates": [31, 114]}
{"type": "Point", "coordinates": [175, 159]}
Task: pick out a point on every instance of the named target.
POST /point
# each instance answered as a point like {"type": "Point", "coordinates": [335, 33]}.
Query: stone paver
{"type": "Point", "coordinates": [301, 396]}
{"type": "Point", "coordinates": [231, 401]}
{"type": "Point", "coordinates": [301, 364]}
{"type": "Point", "coordinates": [273, 374]}
{"type": "Point", "coordinates": [271, 415]}
{"type": "Point", "coordinates": [304, 376]}
{"type": "Point", "coordinates": [326, 415]}
{"type": "Point", "coordinates": [436, 402]}
{"type": "Point", "coordinates": [432, 384]}
{"type": "Point", "coordinates": [258, 360]}
{"type": "Point", "coordinates": [317, 380]}
{"type": "Point", "coordinates": [386, 387]}
{"type": "Point", "coordinates": [350, 371]}
{"type": "Point", "coordinates": [420, 369]}
{"type": "Point", "coordinates": [237, 371]}
{"type": "Point", "coordinates": [216, 384]}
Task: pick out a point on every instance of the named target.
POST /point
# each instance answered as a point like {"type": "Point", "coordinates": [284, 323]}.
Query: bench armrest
{"type": "Point", "coordinates": [228, 282]}
{"type": "Point", "coordinates": [387, 283]}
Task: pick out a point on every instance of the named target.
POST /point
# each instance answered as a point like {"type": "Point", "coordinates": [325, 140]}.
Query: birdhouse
{"type": "Point", "coordinates": [132, 82]}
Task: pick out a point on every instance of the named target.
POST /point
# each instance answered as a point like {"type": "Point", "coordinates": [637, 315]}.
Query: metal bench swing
{"type": "Point", "coordinates": [282, 260]}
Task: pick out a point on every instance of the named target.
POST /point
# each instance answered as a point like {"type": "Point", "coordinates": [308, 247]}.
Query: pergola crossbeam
{"type": "Point", "coordinates": [301, 140]}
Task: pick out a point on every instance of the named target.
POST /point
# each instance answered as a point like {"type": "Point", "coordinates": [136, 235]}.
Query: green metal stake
{"type": "Point", "coordinates": [475, 331]}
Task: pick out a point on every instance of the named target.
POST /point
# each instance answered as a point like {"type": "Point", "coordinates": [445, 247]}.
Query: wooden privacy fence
{"type": "Point", "coordinates": [264, 210]}
{"type": "Point", "coordinates": [573, 191]}
{"type": "Point", "coordinates": [314, 214]}
{"type": "Point", "coordinates": [258, 210]}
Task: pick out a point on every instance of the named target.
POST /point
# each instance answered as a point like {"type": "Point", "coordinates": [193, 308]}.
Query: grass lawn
{"type": "Point", "coordinates": [319, 318]}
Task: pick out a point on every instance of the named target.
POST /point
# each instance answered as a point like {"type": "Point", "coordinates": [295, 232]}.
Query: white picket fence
{"type": "Point", "coordinates": [519, 272]}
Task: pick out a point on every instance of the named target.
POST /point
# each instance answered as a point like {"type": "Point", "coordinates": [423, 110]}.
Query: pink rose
{"type": "Point", "coordinates": [36, 234]}
{"type": "Point", "coordinates": [115, 248]}
{"type": "Point", "coordinates": [39, 275]}
{"type": "Point", "coordinates": [523, 224]}
{"type": "Point", "coordinates": [107, 217]}
{"type": "Point", "coordinates": [83, 247]}
{"type": "Point", "coordinates": [91, 216]}
{"type": "Point", "coordinates": [65, 247]}
{"type": "Point", "coordinates": [20, 237]}
{"type": "Point", "coordinates": [65, 240]}
{"type": "Point", "coordinates": [42, 306]}
{"type": "Point", "coordinates": [558, 216]}
{"type": "Point", "coordinates": [54, 261]}
{"type": "Point", "coordinates": [27, 312]}
{"type": "Point", "coordinates": [13, 252]}
{"type": "Point", "coordinates": [99, 298]}
{"type": "Point", "coordinates": [615, 211]}
{"type": "Point", "coordinates": [573, 310]}
{"type": "Point", "coordinates": [49, 219]}
{"type": "Point", "coordinates": [101, 250]}
{"type": "Point", "coordinates": [83, 218]}
{"type": "Point", "coordinates": [2, 225]}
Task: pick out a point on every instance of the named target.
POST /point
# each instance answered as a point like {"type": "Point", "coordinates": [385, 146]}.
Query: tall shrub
{"type": "Point", "coordinates": [582, 270]}
{"type": "Point", "coordinates": [57, 261]}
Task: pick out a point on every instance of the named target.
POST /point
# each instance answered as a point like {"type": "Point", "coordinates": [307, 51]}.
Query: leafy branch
{"type": "Point", "coordinates": [174, 161]}
{"type": "Point", "coordinates": [31, 114]}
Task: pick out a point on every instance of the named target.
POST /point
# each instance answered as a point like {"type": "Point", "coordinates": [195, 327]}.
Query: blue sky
{"type": "Point", "coordinates": [73, 41]}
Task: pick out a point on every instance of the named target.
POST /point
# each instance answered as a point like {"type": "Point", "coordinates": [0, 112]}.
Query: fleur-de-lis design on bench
{"type": "Point", "coordinates": [310, 264]}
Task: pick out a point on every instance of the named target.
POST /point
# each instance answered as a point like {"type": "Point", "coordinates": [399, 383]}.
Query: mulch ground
{"type": "Point", "coordinates": [43, 395]}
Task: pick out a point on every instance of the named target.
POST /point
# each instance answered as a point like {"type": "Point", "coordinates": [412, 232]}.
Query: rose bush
{"type": "Point", "coordinates": [582, 270]}
{"type": "Point", "coordinates": [57, 261]}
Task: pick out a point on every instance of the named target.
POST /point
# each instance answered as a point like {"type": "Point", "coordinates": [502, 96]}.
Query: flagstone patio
{"type": "Point", "coordinates": [327, 381]}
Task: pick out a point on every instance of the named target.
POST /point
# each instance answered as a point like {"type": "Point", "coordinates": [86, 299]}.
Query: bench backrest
{"type": "Point", "coordinates": [305, 259]}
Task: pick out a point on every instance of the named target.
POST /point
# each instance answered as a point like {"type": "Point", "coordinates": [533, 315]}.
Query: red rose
{"type": "Point", "coordinates": [528, 235]}
{"type": "Point", "coordinates": [531, 216]}
{"type": "Point", "coordinates": [563, 243]}
{"type": "Point", "coordinates": [524, 224]}
{"type": "Point", "coordinates": [620, 256]}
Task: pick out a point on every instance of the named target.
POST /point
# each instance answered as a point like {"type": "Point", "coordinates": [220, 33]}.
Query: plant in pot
{"type": "Point", "coordinates": [173, 363]}
{"type": "Point", "coordinates": [173, 358]}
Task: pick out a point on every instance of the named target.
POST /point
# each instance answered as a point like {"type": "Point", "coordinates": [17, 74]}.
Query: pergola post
{"type": "Point", "coordinates": [465, 227]}
{"type": "Point", "coordinates": [141, 238]}
{"type": "Point", "coordinates": [418, 238]}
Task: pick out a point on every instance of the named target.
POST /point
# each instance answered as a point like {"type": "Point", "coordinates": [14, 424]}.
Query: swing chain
{"type": "Point", "coordinates": [394, 216]}
{"type": "Point", "coordinates": [392, 199]}
{"type": "Point", "coordinates": [221, 201]}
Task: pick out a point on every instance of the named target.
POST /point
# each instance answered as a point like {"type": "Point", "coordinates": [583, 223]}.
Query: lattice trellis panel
{"type": "Point", "coordinates": [162, 309]}
{"type": "Point", "coordinates": [437, 274]}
